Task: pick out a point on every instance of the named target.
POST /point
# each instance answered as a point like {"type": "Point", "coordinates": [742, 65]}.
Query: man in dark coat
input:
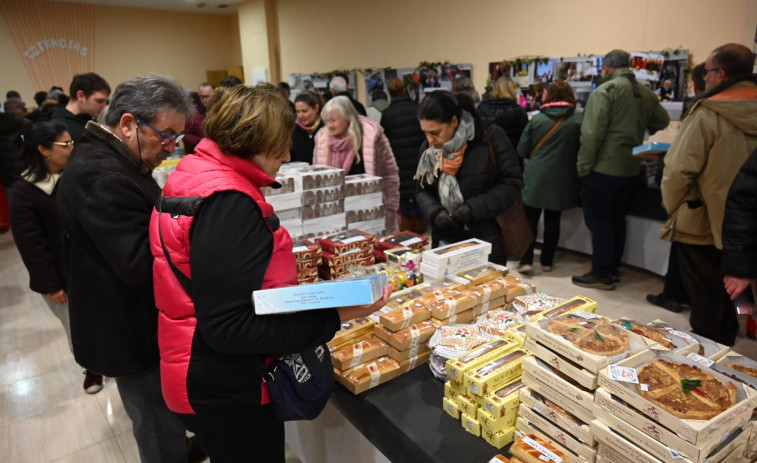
{"type": "Point", "coordinates": [89, 96]}
{"type": "Point", "coordinates": [105, 198]}
{"type": "Point", "coordinates": [338, 86]}
{"type": "Point", "coordinates": [401, 127]}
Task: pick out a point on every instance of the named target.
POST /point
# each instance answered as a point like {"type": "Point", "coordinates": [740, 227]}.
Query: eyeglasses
{"type": "Point", "coordinates": [66, 144]}
{"type": "Point", "coordinates": [166, 138]}
{"type": "Point", "coordinates": [707, 71]}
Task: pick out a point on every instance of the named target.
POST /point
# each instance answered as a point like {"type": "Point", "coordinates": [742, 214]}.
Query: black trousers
{"type": "Point", "coordinates": [242, 436]}
{"type": "Point", "coordinates": [713, 314]}
{"type": "Point", "coordinates": [551, 235]}
{"type": "Point", "coordinates": [673, 288]}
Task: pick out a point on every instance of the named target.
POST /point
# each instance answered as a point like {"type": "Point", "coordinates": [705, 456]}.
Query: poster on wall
{"type": "Point", "coordinates": [671, 85]}
{"type": "Point", "coordinates": [318, 83]}
{"type": "Point", "coordinates": [647, 66]}
{"type": "Point", "coordinates": [418, 82]}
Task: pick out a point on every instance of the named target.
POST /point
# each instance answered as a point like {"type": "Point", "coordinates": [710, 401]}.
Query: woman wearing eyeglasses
{"type": "Point", "coordinates": [34, 217]}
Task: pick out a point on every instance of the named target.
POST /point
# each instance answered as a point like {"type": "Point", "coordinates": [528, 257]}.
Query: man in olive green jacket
{"type": "Point", "coordinates": [717, 136]}
{"type": "Point", "coordinates": [616, 116]}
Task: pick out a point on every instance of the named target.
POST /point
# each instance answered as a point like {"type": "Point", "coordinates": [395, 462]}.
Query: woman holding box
{"type": "Point", "coordinates": [358, 145]}
{"type": "Point", "coordinates": [211, 339]}
{"type": "Point", "coordinates": [459, 189]}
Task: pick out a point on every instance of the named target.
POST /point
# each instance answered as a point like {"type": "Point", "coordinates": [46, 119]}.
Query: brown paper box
{"type": "Point", "coordinates": [408, 337]}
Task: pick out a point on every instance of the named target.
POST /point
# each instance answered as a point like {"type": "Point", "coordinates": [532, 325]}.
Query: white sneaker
{"type": "Point", "coordinates": [525, 268]}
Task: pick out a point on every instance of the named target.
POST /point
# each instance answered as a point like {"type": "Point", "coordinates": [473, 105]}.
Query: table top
{"type": "Point", "coordinates": [404, 419]}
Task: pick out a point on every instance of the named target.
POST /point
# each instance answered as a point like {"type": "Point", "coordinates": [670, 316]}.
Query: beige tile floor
{"type": "Point", "coordinates": [45, 416]}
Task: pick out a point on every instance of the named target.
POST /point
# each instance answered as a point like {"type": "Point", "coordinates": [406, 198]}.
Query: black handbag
{"type": "Point", "coordinates": [299, 385]}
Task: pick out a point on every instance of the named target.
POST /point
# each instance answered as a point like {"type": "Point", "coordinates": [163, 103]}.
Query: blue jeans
{"type": "Point", "coordinates": [160, 434]}
{"type": "Point", "coordinates": [605, 200]}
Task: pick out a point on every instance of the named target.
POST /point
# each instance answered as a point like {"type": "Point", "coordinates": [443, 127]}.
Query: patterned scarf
{"type": "Point", "coordinates": [435, 163]}
{"type": "Point", "coordinates": [340, 152]}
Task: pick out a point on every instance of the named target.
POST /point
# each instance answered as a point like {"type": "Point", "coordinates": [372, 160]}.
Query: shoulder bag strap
{"type": "Point", "coordinates": [544, 138]}
{"type": "Point", "coordinates": [177, 206]}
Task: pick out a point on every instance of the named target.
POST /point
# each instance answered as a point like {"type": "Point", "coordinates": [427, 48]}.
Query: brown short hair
{"type": "Point", "coordinates": [396, 87]}
{"type": "Point", "coordinates": [735, 59]}
{"type": "Point", "coordinates": [246, 121]}
{"type": "Point", "coordinates": [560, 91]}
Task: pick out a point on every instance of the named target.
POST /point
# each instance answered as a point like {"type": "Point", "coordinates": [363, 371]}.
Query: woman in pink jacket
{"type": "Point", "coordinates": [358, 145]}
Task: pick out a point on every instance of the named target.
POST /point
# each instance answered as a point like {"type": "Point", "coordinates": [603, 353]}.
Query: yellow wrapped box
{"type": "Point", "coordinates": [504, 400]}
{"type": "Point", "coordinates": [467, 404]}
{"type": "Point", "coordinates": [450, 392]}
{"type": "Point", "coordinates": [517, 334]}
{"type": "Point", "coordinates": [500, 438]}
{"type": "Point", "coordinates": [470, 424]}
{"type": "Point", "coordinates": [491, 424]}
{"type": "Point", "coordinates": [495, 373]}
{"type": "Point", "coordinates": [457, 366]}
{"type": "Point", "coordinates": [450, 406]}
{"type": "Point", "coordinates": [570, 306]}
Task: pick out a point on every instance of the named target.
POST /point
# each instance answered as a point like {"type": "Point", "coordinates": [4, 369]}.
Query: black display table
{"type": "Point", "coordinates": [404, 420]}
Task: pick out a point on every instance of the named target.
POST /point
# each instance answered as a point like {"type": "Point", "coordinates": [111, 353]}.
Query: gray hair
{"type": "Point", "coordinates": [343, 106]}
{"type": "Point", "coordinates": [338, 84]}
{"type": "Point", "coordinates": [617, 59]}
{"type": "Point", "coordinates": [143, 96]}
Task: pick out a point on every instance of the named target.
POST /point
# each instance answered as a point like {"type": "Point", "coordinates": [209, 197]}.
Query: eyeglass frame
{"type": "Point", "coordinates": [68, 144]}
{"type": "Point", "coordinates": [166, 138]}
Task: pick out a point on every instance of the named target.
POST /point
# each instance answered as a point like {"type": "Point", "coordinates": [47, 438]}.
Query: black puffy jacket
{"type": "Point", "coordinates": [303, 143]}
{"type": "Point", "coordinates": [740, 223]}
{"type": "Point", "coordinates": [487, 196]}
{"type": "Point", "coordinates": [507, 114]}
{"type": "Point", "coordinates": [402, 128]}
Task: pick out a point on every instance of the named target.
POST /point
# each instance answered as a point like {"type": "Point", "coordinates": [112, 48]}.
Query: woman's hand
{"type": "Point", "coordinates": [463, 215]}
{"type": "Point", "coordinates": [357, 311]}
{"type": "Point", "coordinates": [443, 221]}
{"type": "Point", "coordinates": [57, 298]}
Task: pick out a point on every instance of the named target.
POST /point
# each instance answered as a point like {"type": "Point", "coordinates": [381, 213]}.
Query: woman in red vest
{"type": "Point", "coordinates": [226, 239]}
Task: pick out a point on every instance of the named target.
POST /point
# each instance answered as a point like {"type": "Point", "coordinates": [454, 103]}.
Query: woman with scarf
{"type": "Point", "coordinates": [550, 142]}
{"type": "Point", "coordinates": [358, 145]}
{"type": "Point", "coordinates": [35, 224]}
{"type": "Point", "coordinates": [458, 189]}
{"type": "Point", "coordinates": [308, 106]}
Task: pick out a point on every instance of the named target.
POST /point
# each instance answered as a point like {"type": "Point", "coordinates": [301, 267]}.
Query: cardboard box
{"type": "Point", "coordinates": [374, 227]}
{"type": "Point", "coordinates": [697, 432]}
{"type": "Point", "coordinates": [708, 348]}
{"type": "Point", "coordinates": [458, 318]}
{"type": "Point", "coordinates": [580, 375]}
{"type": "Point", "coordinates": [287, 186]}
{"type": "Point", "coordinates": [450, 406]}
{"type": "Point", "coordinates": [499, 439]}
{"type": "Point", "coordinates": [457, 366]}
{"type": "Point", "coordinates": [405, 238]}
{"type": "Point", "coordinates": [504, 401]}
{"type": "Point", "coordinates": [352, 329]}
{"type": "Point", "coordinates": [660, 450]}
{"type": "Point", "coordinates": [456, 257]}
{"type": "Point", "coordinates": [290, 216]}
{"type": "Point", "coordinates": [606, 454]}
{"type": "Point", "coordinates": [525, 427]}
{"type": "Point", "coordinates": [566, 403]}
{"type": "Point", "coordinates": [323, 210]}
{"type": "Point", "coordinates": [572, 305]}
{"type": "Point", "coordinates": [450, 392]}
{"type": "Point", "coordinates": [362, 184]}
{"type": "Point", "coordinates": [561, 418]}
{"type": "Point", "coordinates": [408, 337]}
{"type": "Point", "coordinates": [305, 249]}
{"type": "Point", "coordinates": [492, 424]}
{"type": "Point", "coordinates": [323, 195]}
{"type": "Point", "coordinates": [484, 273]}
{"type": "Point", "coordinates": [367, 376]}
{"type": "Point", "coordinates": [451, 283]}
{"type": "Point", "coordinates": [333, 260]}
{"type": "Point", "coordinates": [285, 201]}
{"type": "Point", "coordinates": [537, 369]}
{"type": "Point", "coordinates": [732, 358]}
{"type": "Point", "coordinates": [405, 296]}
{"type": "Point", "coordinates": [312, 177]}
{"type": "Point", "coordinates": [587, 360]}
{"type": "Point", "coordinates": [414, 361]}
{"type": "Point", "coordinates": [307, 273]}
{"type": "Point", "coordinates": [684, 345]}
{"type": "Point", "coordinates": [457, 386]}
{"type": "Point", "coordinates": [467, 404]}
{"type": "Point", "coordinates": [307, 280]}
{"type": "Point", "coordinates": [516, 334]}
{"type": "Point", "coordinates": [453, 303]}
{"type": "Point", "coordinates": [362, 215]}
{"type": "Point", "coordinates": [495, 373]}
{"type": "Point", "coordinates": [352, 203]}
{"type": "Point", "coordinates": [406, 315]}
{"type": "Point", "coordinates": [341, 242]}
{"type": "Point", "coordinates": [306, 264]}
{"type": "Point", "coordinates": [327, 294]}
{"type": "Point", "coordinates": [520, 288]}
{"type": "Point", "coordinates": [357, 353]}
{"type": "Point", "coordinates": [555, 433]}
{"type": "Point", "coordinates": [490, 305]}
{"type": "Point", "coordinates": [470, 424]}
{"type": "Point", "coordinates": [336, 270]}
{"type": "Point", "coordinates": [610, 438]}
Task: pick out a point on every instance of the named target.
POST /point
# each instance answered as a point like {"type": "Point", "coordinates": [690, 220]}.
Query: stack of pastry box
{"type": "Point", "coordinates": [286, 202]}
{"type": "Point", "coordinates": [322, 200]}
{"type": "Point", "coordinates": [404, 239]}
{"type": "Point", "coordinates": [308, 257]}
{"type": "Point", "coordinates": [454, 258]}
{"type": "Point", "coordinates": [363, 204]}
{"type": "Point", "coordinates": [344, 250]}
{"type": "Point", "coordinates": [632, 429]}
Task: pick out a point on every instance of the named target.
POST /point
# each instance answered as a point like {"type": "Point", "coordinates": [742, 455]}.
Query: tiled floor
{"type": "Point", "coordinates": [45, 416]}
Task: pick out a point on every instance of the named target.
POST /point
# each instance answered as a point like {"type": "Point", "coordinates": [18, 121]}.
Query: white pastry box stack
{"type": "Point", "coordinates": [363, 203]}
{"type": "Point", "coordinates": [322, 192]}
{"type": "Point", "coordinates": [286, 202]}
{"type": "Point", "coordinates": [455, 258]}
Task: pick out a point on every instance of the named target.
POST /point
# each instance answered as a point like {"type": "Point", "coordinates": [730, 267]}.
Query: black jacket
{"type": "Point", "coordinates": [507, 114]}
{"type": "Point", "coordinates": [358, 105]}
{"type": "Point", "coordinates": [36, 231]}
{"type": "Point", "coordinates": [401, 127]}
{"type": "Point", "coordinates": [487, 196]}
{"type": "Point", "coordinates": [105, 198]}
{"type": "Point", "coordinates": [303, 144]}
{"type": "Point", "coordinates": [74, 123]}
{"type": "Point", "coordinates": [740, 223]}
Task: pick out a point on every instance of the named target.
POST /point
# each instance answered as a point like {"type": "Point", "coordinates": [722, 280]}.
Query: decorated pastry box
{"type": "Point", "coordinates": [484, 273]}
{"type": "Point", "coordinates": [555, 433]}
{"type": "Point", "coordinates": [311, 263]}
{"type": "Point", "coordinates": [400, 355]}
{"type": "Point", "coordinates": [404, 316]}
{"type": "Point", "coordinates": [450, 406]}
{"type": "Point", "coordinates": [697, 403]}
{"type": "Point", "coordinates": [561, 401]}
{"type": "Point", "coordinates": [313, 177]}
{"type": "Point", "coordinates": [369, 375]}
{"type": "Point", "coordinates": [335, 270]}
{"type": "Point", "coordinates": [451, 304]}
{"type": "Point", "coordinates": [518, 288]}
{"type": "Point", "coordinates": [504, 401]}
{"type": "Point", "coordinates": [352, 329]}
{"type": "Point", "coordinates": [447, 283]}
{"type": "Point", "coordinates": [707, 347]}
{"type": "Point", "coordinates": [405, 238]}
{"type": "Point", "coordinates": [345, 241]}
{"type": "Point", "coordinates": [457, 366]}
{"type": "Point", "coordinates": [536, 443]}
{"type": "Point", "coordinates": [497, 372]}
{"type": "Point", "coordinates": [353, 254]}
{"type": "Point", "coordinates": [738, 367]}
{"type": "Point", "coordinates": [492, 304]}
{"type": "Point", "coordinates": [362, 184]}
{"type": "Point", "coordinates": [408, 337]}
{"type": "Point", "coordinates": [562, 365]}
{"type": "Point", "coordinates": [557, 415]}
{"type": "Point", "coordinates": [499, 439]}
{"type": "Point", "coordinates": [414, 361]}
{"type": "Point", "coordinates": [327, 294]}
{"type": "Point", "coordinates": [357, 353]}
{"type": "Point", "coordinates": [589, 340]}
{"type": "Point", "coordinates": [576, 304]}
{"type": "Point", "coordinates": [460, 256]}
{"type": "Point", "coordinates": [619, 444]}
{"type": "Point", "coordinates": [470, 424]}
{"type": "Point", "coordinates": [305, 249]}
{"type": "Point", "coordinates": [462, 317]}
{"type": "Point", "coordinates": [287, 186]}
{"type": "Point", "coordinates": [533, 305]}
{"type": "Point", "coordinates": [285, 201]}
{"type": "Point", "coordinates": [322, 195]}
{"type": "Point", "coordinates": [684, 345]}
{"type": "Point", "coordinates": [535, 368]}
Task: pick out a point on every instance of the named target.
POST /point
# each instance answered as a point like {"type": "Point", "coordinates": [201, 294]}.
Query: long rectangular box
{"type": "Point", "coordinates": [326, 294]}
{"type": "Point", "coordinates": [566, 403]}
{"type": "Point", "coordinates": [495, 373]}
{"type": "Point", "coordinates": [537, 369]}
{"type": "Point", "coordinates": [586, 452]}
{"type": "Point", "coordinates": [457, 366]}
{"type": "Point", "coordinates": [580, 375]}
{"type": "Point", "coordinates": [557, 415]}
{"type": "Point", "coordinates": [525, 427]}
{"type": "Point", "coordinates": [459, 256]}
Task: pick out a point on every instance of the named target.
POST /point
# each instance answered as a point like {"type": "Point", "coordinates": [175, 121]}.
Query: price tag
{"type": "Point", "coordinates": [546, 454]}
{"type": "Point", "coordinates": [704, 361]}
{"type": "Point", "coordinates": [624, 374]}
{"type": "Point", "coordinates": [683, 335]}
{"type": "Point", "coordinates": [300, 249]}
{"type": "Point", "coordinates": [375, 372]}
{"type": "Point", "coordinates": [411, 241]}
{"type": "Point", "coordinates": [352, 240]}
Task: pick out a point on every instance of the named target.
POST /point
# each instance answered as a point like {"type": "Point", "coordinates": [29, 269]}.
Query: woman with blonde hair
{"type": "Point", "coordinates": [358, 145]}
{"type": "Point", "coordinates": [502, 107]}
{"type": "Point", "coordinates": [210, 338]}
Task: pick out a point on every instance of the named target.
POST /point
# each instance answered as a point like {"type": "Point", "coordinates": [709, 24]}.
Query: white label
{"type": "Point", "coordinates": [407, 313]}
{"type": "Point", "coordinates": [536, 407]}
{"type": "Point", "coordinates": [357, 352]}
{"type": "Point", "coordinates": [704, 361]}
{"type": "Point", "coordinates": [675, 455]}
{"type": "Point", "coordinates": [300, 249]}
{"type": "Point", "coordinates": [644, 387]}
{"type": "Point", "coordinates": [624, 374]}
{"type": "Point", "coordinates": [375, 373]}
{"type": "Point", "coordinates": [351, 240]}
{"type": "Point", "coordinates": [485, 306]}
{"type": "Point", "coordinates": [415, 333]}
{"type": "Point", "coordinates": [683, 335]}
{"type": "Point", "coordinates": [451, 303]}
{"type": "Point", "coordinates": [414, 352]}
{"type": "Point", "coordinates": [411, 241]}
{"type": "Point", "coordinates": [487, 293]}
{"type": "Point", "coordinates": [585, 314]}
{"type": "Point", "coordinates": [413, 363]}
{"type": "Point", "coordinates": [452, 318]}
{"type": "Point", "coordinates": [546, 454]}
